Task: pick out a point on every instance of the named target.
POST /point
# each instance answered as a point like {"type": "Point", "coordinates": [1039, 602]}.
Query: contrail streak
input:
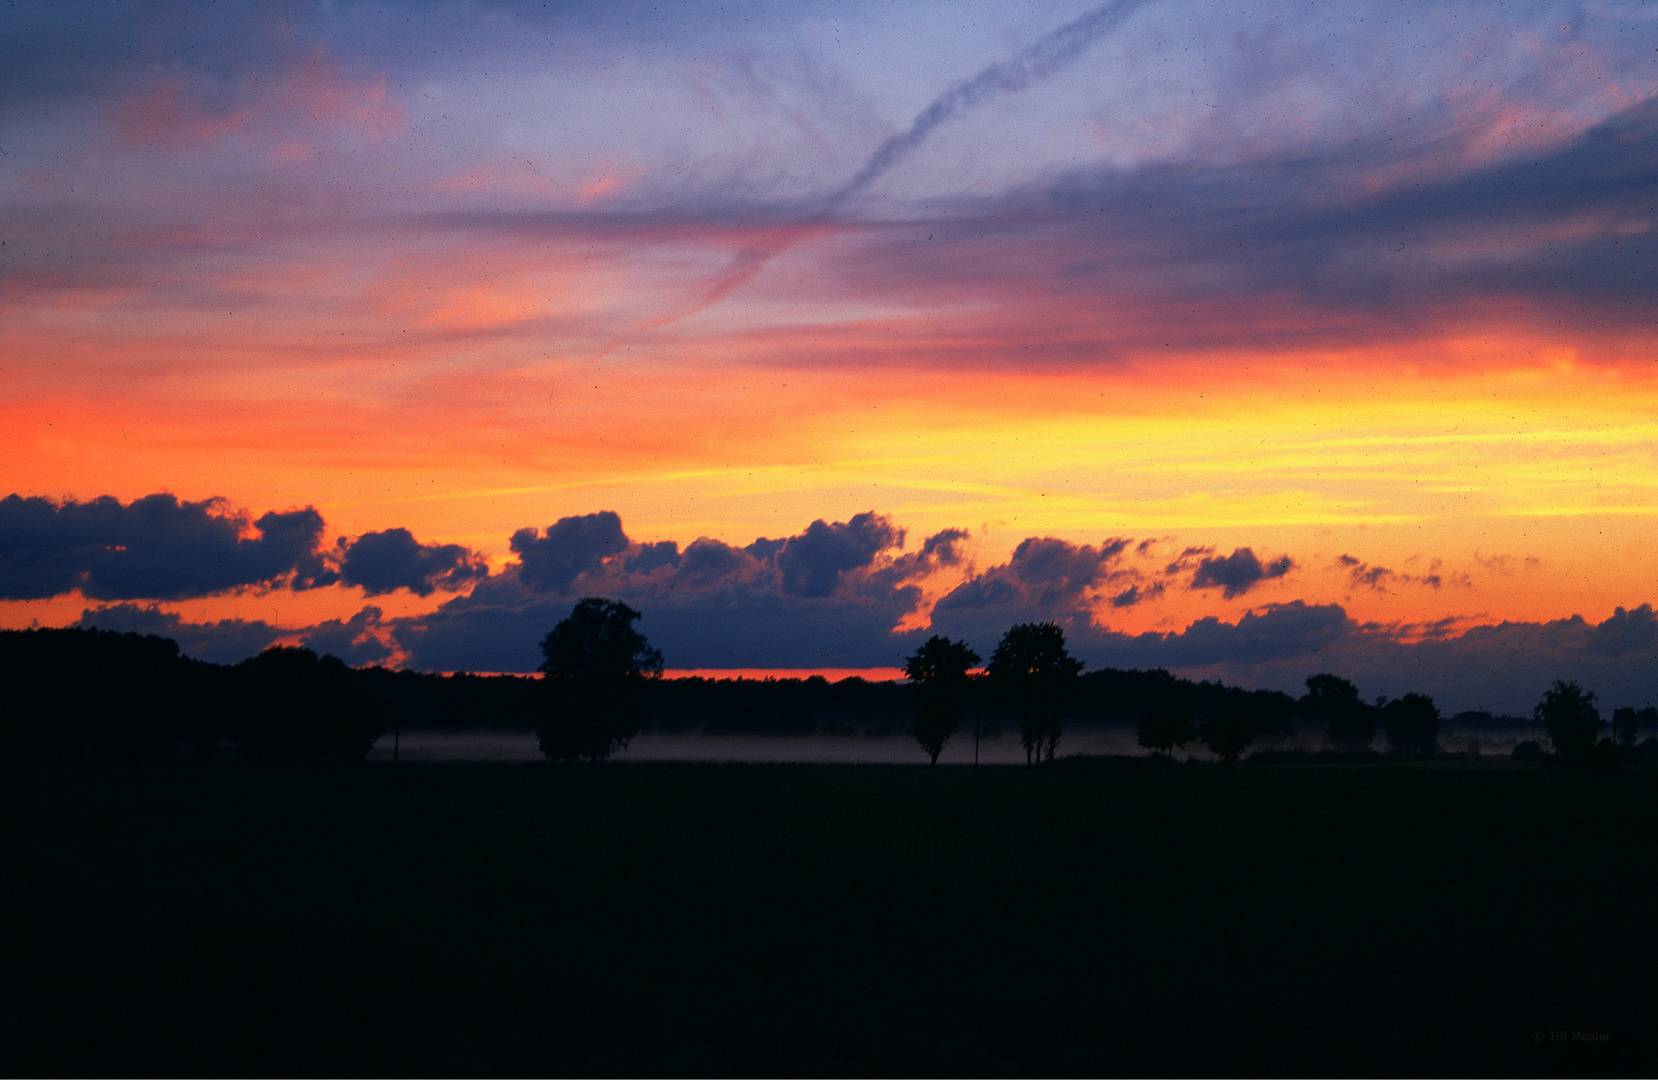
{"type": "Point", "coordinates": [1049, 55]}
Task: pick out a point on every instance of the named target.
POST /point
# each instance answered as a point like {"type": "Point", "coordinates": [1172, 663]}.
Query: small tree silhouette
{"type": "Point", "coordinates": [939, 668]}
{"type": "Point", "coordinates": [1412, 724]}
{"type": "Point", "coordinates": [1032, 666]}
{"type": "Point", "coordinates": [595, 673]}
{"type": "Point", "coordinates": [1166, 727]}
{"type": "Point", "coordinates": [1568, 713]}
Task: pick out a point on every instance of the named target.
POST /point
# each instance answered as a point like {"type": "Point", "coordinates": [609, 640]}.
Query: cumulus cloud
{"type": "Point", "coordinates": [651, 556]}
{"type": "Point", "coordinates": [382, 562]}
{"type": "Point", "coordinates": [156, 547]}
{"type": "Point", "coordinates": [1626, 632]}
{"type": "Point", "coordinates": [1238, 572]}
{"type": "Point", "coordinates": [830, 595]}
{"type": "Point", "coordinates": [813, 562]}
{"type": "Point", "coordinates": [1046, 579]}
{"type": "Point", "coordinates": [706, 561]}
{"type": "Point", "coordinates": [551, 561]}
{"type": "Point", "coordinates": [161, 548]}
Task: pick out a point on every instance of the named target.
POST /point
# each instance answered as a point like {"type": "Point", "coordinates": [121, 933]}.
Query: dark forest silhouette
{"type": "Point", "coordinates": [74, 694]}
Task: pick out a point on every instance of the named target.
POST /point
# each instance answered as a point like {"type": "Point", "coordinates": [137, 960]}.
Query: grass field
{"type": "Point", "coordinates": [1084, 918]}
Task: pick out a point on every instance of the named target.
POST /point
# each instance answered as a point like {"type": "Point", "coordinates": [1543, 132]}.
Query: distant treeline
{"type": "Point", "coordinates": [74, 693]}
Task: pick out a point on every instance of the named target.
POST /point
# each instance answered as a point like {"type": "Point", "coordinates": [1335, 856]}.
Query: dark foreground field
{"type": "Point", "coordinates": [692, 918]}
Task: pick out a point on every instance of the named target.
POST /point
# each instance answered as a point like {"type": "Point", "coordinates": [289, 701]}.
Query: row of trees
{"type": "Point", "coordinates": [598, 667]}
{"type": "Point", "coordinates": [1411, 722]}
{"type": "Point", "coordinates": [1567, 713]}
{"type": "Point", "coordinates": [75, 693]}
{"type": "Point", "coordinates": [1032, 668]}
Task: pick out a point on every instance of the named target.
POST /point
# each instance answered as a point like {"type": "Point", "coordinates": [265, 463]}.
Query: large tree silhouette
{"type": "Point", "coordinates": [940, 670]}
{"type": "Point", "coordinates": [1032, 667]}
{"type": "Point", "coordinates": [595, 672]}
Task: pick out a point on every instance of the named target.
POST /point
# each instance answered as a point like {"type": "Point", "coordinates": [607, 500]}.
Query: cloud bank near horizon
{"type": "Point", "coordinates": [838, 594]}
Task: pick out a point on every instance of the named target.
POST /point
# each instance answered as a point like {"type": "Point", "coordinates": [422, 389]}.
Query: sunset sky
{"type": "Point", "coordinates": [1250, 343]}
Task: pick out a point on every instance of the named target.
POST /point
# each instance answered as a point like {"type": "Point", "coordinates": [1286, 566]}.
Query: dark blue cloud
{"type": "Point", "coordinates": [154, 548]}
{"type": "Point", "coordinates": [1274, 632]}
{"type": "Point", "coordinates": [828, 596]}
{"type": "Point", "coordinates": [1045, 580]}
{"type": "Point", "coordinates": [764, 549]}
{"type": "Point", "coordinates": [1625, 632]}
{"type": "Point", "coordinates": [708, 560]}
{"type": "Point", "coordinates": [813, 562]}
{"type": "Point", "coordinates": [651, 556]}
{"type": "Point", "coordinates": [944, 547]}
{"type": "Point", "coordinates": [382, 562]}
{"type": "Point", "coordinates": [570, 547]}
{"type": "Point", "coordinates": [1238, 572]}
{"type": "Point", "coordinates": [1136, 594]}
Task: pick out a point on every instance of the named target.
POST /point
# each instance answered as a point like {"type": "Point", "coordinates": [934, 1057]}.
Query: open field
{"type": "Point", "coordinates": [1085, 918]}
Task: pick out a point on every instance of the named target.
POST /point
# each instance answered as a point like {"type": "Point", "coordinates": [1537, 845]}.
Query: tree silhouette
{"type": "Point", "coordinates": [939, 668]}
{"type": "Point", "coordinates": [1165, 727]}
{"type": "Point", "coordinates": [1230, 730]}
{"type": "Point", "coordinates": [1352, 723]}
{"type": "Point", "coordinates": [1568, 713]}
{"type": "Point", "coordinates": [595, 673]}
{"type": "Point", "coordinates": [1032, 666]}
{"type": "Point", "coordinates": [1412, 724]}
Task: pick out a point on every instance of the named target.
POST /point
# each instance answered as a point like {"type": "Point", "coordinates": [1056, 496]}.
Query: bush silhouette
{"type": "Point", "coordinates": [940, 671]}
{"type": "Point", "coordinates": [595, 674]}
